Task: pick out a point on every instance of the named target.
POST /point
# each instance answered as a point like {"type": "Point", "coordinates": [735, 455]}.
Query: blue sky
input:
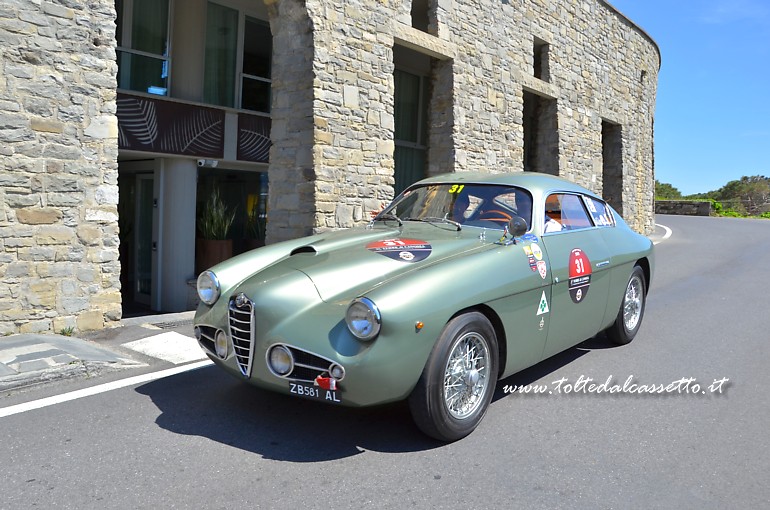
{"type": "Point", "coordinates": [712, 117]}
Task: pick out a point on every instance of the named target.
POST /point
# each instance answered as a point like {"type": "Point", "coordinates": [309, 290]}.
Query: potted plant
{"type": "Point", "coordinates": [214, 222]}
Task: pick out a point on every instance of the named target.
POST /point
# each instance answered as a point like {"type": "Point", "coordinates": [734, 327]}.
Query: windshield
{"type": "Point", "coordinates": [475, 205]}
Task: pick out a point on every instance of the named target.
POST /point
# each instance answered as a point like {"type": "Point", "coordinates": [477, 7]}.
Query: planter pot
{"type": "Point", "coordinates": [209, 252]}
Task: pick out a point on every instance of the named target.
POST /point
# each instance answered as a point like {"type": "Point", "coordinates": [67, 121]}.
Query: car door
{"type": "Point", "coordinates": [580, 262]}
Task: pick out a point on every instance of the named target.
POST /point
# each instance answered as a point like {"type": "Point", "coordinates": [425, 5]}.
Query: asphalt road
{"type": "Point", "coordinates": [201, 439]}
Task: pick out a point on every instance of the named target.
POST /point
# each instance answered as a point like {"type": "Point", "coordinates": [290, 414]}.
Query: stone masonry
{"type": "Point", "coordinates": [331, 162]}
{"type": "Point", "coordinates": [339, 58]}
{"type": "Point", "coordinates": [58, 172]}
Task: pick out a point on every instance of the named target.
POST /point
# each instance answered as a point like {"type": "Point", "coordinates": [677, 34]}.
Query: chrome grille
{"type": "Point", "coordinates": [241, 321]}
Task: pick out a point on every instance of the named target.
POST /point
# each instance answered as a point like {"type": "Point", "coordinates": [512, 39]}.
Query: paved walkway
{"type": "Point", "coordinates": [31, 359]}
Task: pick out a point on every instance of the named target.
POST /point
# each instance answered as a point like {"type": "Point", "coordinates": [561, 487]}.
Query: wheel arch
{"type": "Point", "coordinates": [644, 263]}
{"type": "Point", "coordinates": [497, 325]}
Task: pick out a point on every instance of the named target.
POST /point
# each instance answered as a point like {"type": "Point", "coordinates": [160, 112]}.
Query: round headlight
{"type": "Point", "coordinates": [363, 319]}
{"type": "Point", "coordinates": [221, 344]}
{"type": "Point", "coordinates": [208, 287]}
{"type": "Point", "coordinates": [280, 360]}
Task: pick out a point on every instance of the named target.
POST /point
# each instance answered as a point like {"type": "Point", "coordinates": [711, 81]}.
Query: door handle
{"type": "Point", "coordinates": [602, 263]}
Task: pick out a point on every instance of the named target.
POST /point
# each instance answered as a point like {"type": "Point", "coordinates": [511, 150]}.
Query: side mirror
{"type": "Point", "coordinates": [517, 226]}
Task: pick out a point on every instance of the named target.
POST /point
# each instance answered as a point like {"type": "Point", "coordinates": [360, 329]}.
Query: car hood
{"type": "Point", "coordinates": [344, 265]}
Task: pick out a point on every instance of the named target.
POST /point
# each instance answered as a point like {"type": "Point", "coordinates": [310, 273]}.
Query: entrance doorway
{"type": "Point", "coordinates": [136, 220]}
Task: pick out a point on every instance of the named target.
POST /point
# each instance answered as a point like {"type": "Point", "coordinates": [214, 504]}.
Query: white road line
{"type": "Point", "coordinates": [101, 388]}
{"type": "Point", "coordinates": [667, 234]}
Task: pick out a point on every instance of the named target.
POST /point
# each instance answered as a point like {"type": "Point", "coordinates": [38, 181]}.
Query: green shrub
{"type": "Point", "coordinates": [215, 220]}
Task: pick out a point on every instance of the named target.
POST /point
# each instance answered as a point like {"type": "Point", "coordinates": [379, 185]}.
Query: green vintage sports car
{"type": "Point", "coordinates": [464, 279]}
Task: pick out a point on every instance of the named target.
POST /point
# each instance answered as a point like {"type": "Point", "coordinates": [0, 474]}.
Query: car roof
{"type": "Point", "coordinates": [537, 183]}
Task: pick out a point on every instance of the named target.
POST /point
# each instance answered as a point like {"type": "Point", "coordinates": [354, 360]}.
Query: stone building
{"type": "Point", "coordinates": [120, 118]}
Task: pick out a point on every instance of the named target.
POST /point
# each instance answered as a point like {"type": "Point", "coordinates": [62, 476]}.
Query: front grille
{"type": "Point", "coordinates": [241, 320]}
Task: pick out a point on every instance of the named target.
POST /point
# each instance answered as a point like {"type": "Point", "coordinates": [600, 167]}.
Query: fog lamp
{"type": "Point", "coordinates": [221, 344]}
{"type": "Point", "coordinates": [279, 360]}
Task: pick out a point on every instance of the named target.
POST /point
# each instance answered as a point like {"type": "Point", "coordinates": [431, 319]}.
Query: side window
{"type": "Point", "coordinates": [600, 212]}
{"type": "Point", "coordinates": [565, 212]}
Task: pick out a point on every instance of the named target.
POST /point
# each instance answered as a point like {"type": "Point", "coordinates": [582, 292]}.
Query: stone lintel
{"type": "Point", "coordinates": [423, 43]}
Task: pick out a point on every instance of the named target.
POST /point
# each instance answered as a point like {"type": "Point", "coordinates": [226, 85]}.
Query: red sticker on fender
{"type": "Point", "coordinates": [403, 250]}
{"type": "Point", "coordinates": [579, 275]}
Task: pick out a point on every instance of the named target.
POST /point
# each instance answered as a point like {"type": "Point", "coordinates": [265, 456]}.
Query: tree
{"type": "Point", "coordinates": [751, 194]}
{"type": "Point", "coordinates": [666, 191]}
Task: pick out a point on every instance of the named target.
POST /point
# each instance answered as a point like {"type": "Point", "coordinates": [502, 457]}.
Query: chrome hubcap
{"type": "Point", "coordinates": [632, 303]}
{"type": "Point", "coordinates": [466, 376]}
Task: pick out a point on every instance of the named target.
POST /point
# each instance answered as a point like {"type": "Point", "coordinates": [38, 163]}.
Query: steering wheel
{"type": "Point", "coordinates": [495, 215]}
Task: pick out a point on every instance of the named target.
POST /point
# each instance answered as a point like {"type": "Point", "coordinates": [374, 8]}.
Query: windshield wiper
{"type": "Point", "coordinates": [388, 216]}
{"type": "Point", "coordinates": [431, 219]}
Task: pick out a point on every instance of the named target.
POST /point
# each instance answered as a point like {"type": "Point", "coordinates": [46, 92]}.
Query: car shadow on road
{"type": "Point", "coordinates": [536, 372]}
{"type": "Point", "coordinates": [212, 404]}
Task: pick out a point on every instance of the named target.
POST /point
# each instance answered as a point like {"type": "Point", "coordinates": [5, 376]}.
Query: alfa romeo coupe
{"type": "Point", "coordinates": [462, 280]}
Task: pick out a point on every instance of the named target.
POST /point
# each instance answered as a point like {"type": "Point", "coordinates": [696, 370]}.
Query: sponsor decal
{"type": "Point", "coordinates": [542, 308]}
{"type": "Point", "coordinates": [530, 257]}
{"type": "Point", "coordinates": [529, 237]}
{"type": "Point", "coordinates": [404, 250]}
{"type": "Point", "coordinates": [579, 275]}
{"type": "Point", "coordinates": [542, 268]}
{"type": "Point", "coordinates": [536, 251]}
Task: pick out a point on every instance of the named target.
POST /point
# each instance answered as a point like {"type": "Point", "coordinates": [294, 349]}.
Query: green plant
{"type": "Point", "coordinates": [215, 220]}
{"type": "Point", "coordinates": [68, 331]}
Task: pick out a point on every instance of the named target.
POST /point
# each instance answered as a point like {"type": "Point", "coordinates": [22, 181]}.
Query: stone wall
{"type": "Point", "coordinates": [353, 110]}
{"type": "Point", "coordinates": [331, 162]}
{"type": "Point", "coordinates": [58, 171]}
{"type": "Point", "coordinates": [683, 207]}
{"type": "Point", "coordinates": [600, 69]}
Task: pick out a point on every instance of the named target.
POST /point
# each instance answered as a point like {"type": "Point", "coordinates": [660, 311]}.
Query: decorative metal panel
{"type": "Point", "coordinates": [157, 125]}
{"type": "Point", "coordinates": [253, 138]}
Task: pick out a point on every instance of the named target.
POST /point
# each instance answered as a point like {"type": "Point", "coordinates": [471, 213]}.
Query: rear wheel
{"type": "Point", "coordinates": [457, 383]}
{"type": "Point", "coordinates": [629, 318]}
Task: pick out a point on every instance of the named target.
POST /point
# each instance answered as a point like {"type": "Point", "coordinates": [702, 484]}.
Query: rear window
{"type": "Point", "coordinates": [600, 212]}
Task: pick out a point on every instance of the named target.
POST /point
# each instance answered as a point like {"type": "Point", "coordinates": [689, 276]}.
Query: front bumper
{"type": "Point", "coordinates": [376, 372]}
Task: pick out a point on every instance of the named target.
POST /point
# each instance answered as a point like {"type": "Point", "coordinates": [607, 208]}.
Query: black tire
{"type": "Point", "coordinates": [452, 397]}
{"type": "Point", "coordinates": [629, 318]}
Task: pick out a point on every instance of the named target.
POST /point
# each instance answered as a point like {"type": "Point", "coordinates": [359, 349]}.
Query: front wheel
{"type": "Point", "coordinates": [629, 318]}
{"type": "Point", "coordinates": [457, 383]}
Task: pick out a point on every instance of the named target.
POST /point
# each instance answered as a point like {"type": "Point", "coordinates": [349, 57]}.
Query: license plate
{"type": "Point", "coordinates": [314, 392]}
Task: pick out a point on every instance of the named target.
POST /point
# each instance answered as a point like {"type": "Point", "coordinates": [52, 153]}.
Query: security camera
{"type": "Point", "coordinates": [208, 163]}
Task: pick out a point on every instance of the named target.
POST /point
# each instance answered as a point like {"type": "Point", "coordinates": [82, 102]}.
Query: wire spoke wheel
{"type": "Point", "coordinates": [466, 376]}
{"type": "Point", "coordinates": [629, 317]}
{"type": "Point", "coordinates": [458, 380]}
{"type": "Point", "coordinates": [632, 303]}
